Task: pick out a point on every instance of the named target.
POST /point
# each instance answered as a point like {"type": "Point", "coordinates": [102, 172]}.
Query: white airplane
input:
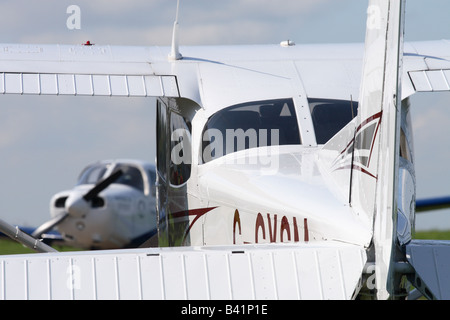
{"type": "Point", "coordinates": [112, 206]}
{"type": "Point", "coordinates": [283, 171]}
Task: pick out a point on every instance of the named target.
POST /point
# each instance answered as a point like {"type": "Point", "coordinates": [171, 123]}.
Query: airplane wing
{"type": "Point", "coordinates": [429, 204]}
{"type": "Point", "coordinates": [328, 270]}
{"type": "Point", "coordinates": [146, 71]}
{"type": "Point", "coordinates": [82, 70]}
{"type": "Point", "coordinates": [428, 66]}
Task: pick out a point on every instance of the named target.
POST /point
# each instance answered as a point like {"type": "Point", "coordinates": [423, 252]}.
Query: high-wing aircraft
{"type": "Point", "coordinates": [112, 206]}
{"type": "Point", "coordinates": [283, 171]}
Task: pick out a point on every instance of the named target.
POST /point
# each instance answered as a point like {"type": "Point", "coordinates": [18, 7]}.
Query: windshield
{"type": "Point", "coordinates": [93, 173]}
{"type": "Point", "coordinates": [131, 175]}
{"type": "Point", "coordinates": [250, 125]}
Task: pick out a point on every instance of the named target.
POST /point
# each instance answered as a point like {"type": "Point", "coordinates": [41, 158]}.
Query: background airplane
{"type": "Point", "coordinates": [112, 206]}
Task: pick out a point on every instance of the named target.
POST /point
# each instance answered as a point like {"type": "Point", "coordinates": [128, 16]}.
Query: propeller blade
{"type": "Point", "coordinates": [102, 185]}
{"type": "Point", "coordinates": [46, 226]}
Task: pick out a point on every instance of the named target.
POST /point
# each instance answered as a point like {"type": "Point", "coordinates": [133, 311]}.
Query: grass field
{"type": "Point", "coordinates": [433, 235]}
{"type": "Point", "coordinates": [8, 246]}
{"type": "Point", "coordinates": [11, 247]}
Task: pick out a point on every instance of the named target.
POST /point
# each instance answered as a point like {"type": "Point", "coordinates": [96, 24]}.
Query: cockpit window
{"type": "Point", "coordinates": [131, 175]}
{"type": "Point", "coordinates": [250, 125]}
{"type": "Point", "coordinates": [92, 174]}
{"type": "Point", "coordinates": [330, 116]}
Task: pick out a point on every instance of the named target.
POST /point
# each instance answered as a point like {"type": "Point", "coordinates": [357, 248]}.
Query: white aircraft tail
{"type": "Point", "coordinates": [376, 152]}
{"type": "Point", "coordinates": [364, 161]}
{"type": "Point", "coordinates": [366, 152]}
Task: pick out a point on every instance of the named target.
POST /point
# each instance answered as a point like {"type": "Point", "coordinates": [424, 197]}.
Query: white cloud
{"type": "Point", "coordinates": [280, 8]}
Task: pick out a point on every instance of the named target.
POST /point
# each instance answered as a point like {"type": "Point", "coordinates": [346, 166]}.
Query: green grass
{"type": "Point", "coordinates": [433, 235]}
{"type": "Point", "coordinates": [8, 246]}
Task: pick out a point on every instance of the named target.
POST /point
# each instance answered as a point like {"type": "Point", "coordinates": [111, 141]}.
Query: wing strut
{"type": "Point", "coordinates": [18, 235]}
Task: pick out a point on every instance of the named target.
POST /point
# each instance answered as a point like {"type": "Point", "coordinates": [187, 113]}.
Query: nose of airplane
{"type": "Point", "coordinates": [76, 205]}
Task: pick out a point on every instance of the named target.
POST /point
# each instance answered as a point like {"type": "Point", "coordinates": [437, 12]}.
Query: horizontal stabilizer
{"type": "Point", "coordinates": [431, 261]}
{"type": "Point", "coordinates": [326, 270]}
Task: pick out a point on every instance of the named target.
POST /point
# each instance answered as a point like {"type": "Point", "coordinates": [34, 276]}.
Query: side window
{"type": "Point", "coordinates": [92, 174]}
{"type": "Point", "coordinates": [180, 147]}
{"type": "Point", "coordinates": [330, 116]}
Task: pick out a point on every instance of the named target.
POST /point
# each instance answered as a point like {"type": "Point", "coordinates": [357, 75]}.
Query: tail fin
{"type": "Point", "coordinates": [371, 146]}
{"type": "Point", "coordinates": [376, 144]}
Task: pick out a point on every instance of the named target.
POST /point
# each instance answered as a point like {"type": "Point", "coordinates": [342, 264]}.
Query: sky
{"type": "Point", "coordinates": [46, 141]}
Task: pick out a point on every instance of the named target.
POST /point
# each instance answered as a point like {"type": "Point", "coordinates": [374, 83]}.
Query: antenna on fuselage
{"type": "Point", "coordinates": [175, 51]}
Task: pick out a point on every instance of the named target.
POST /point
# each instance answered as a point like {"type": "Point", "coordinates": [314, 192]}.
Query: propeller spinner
{"type": "Point", "coordinates": [78, 205]}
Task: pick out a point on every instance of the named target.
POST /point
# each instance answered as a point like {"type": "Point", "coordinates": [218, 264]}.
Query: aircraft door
{"type": "Point", "coordinates": [162, 152]}
{"type": "Point", "coordinates": [173, 166]}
